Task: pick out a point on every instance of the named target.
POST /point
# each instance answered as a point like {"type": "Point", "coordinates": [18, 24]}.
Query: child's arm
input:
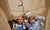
{"type": "Point", "coordinates": [40, 19]}
{"type": "Point", "coordinates": [26, 23]}
{"type": "Point", "coordinates": [14, 27]}
{"type": "Point", "coordinates": [24, 27]}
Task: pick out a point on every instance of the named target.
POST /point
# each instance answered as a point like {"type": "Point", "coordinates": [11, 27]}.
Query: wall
{"type": "Point", "coordinates": [4, 5]}
{"type": "Point", "coordinates": [48, 15]}
{"type": "Point", "coordinates": [3, 21]}
{"type": "Point", "coordinates": [35, 7]}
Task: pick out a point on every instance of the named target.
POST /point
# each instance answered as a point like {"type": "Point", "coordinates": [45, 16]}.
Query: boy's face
{"type": "Point", "coordinates": [20, 20]}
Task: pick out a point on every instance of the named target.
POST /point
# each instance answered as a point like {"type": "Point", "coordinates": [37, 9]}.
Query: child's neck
{"type": "Point", "coordinates": [31, 23]}
{"type": "Point", "coordinates": [19, 23]}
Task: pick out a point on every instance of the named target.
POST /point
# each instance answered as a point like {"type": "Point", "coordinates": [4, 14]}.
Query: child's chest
{"type": "Point", "coordinates": [20, 27]}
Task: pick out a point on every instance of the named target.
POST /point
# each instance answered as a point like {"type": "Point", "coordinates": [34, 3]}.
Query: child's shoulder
{"type": "Point", "coordinates": [15, 24]}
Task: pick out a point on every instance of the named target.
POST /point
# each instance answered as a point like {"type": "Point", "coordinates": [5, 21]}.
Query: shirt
{"type": "Point", "coordinates": [20, 27]}
{"type": "Point", "coordinates": [39, 20]}
{"type": "Point", "coordinates": [35, 26]}
{"type": "Point", "coordinates": [32, 26]}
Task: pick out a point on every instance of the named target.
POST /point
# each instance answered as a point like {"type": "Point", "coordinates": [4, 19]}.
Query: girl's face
{"type": "Point", "coordinates": [32, 20]}
{"type": "Point", "coordinates": [20, 20]}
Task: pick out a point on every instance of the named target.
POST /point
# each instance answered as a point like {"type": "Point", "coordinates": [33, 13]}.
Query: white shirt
{"type": "Point", "coordinates": [19, 26]}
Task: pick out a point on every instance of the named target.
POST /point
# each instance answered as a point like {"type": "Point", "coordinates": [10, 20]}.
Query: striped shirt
{"type": "Point", "coordinates": [35, 26]}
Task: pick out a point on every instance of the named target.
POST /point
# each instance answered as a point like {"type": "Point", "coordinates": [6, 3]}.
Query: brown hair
{"type": "Point", "coordinates": [31, 18]}
{"type": "Point", "coordinates": [18, 19]}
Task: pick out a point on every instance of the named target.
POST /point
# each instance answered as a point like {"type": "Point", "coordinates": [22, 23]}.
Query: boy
{"type": "Point", "coordinates": [19, 25]}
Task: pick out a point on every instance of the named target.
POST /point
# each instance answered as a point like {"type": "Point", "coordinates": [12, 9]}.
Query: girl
{"type": "Point", "coordinates": [19, 25]}
{"type": "Point", "coordinates": [31, 25]}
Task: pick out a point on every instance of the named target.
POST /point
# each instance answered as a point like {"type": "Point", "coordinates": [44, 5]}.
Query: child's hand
{"type": "Point", "coordinates": [25, 21]}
